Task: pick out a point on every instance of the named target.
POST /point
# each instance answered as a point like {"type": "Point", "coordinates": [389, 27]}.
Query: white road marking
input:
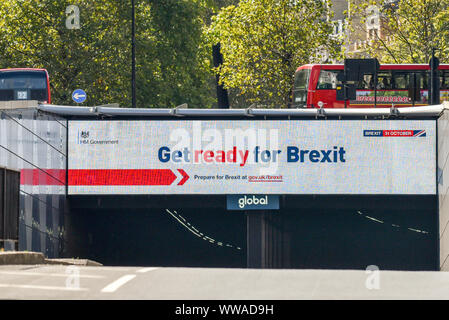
{"type": "Point", "coordinates": [416, 230]}
{"type": "Point", "coordinates": [25, 286]}
{"type": "Point", "coordinates": [41, 274]}
{"type": "Point", "coordinates": [393, 225]}
{"type": "Point", "coordinates": [146, 270]}
{"type": "Point", "coordinates": [188, 228]}
{"type": "Point", "coordinates": [112, 287]}
{"type": "Point", "coordinates": [194, 230]}
{"type": "Point", "coordinates": [374, 219]}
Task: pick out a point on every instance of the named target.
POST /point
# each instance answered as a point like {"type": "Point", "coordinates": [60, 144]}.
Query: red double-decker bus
{"type": "Point", "coordinates": [401, 85]}
{"type": "Point", "coordinates": [24, 84]}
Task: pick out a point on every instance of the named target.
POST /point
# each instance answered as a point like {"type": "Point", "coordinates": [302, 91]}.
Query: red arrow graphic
{"type": "Point", "coordinates": [102, 177]}
{"type": "Point", "coordinates": [42, 177]}
{"type": "Point", "coordinates": [185, 177]}
{"type": "Point", "coordinates": [121, 177]}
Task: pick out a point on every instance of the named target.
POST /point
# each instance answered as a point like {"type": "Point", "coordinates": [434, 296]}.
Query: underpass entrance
{"type": "Point", "coordinates": [327, 232]}
{"type": "Point", "coordinates": [351, 193]}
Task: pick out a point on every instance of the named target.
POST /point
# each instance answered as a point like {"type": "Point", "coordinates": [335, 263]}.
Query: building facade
{"type": "Point", "coordinates": [34, 144]}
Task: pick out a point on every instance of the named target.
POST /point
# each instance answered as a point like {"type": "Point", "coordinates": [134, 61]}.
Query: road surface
{"type": "Point", "coordinates": [68, 282]}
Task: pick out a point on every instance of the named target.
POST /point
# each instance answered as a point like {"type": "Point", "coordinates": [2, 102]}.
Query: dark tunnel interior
{"type": "Point", "coordinates": [391, 233]}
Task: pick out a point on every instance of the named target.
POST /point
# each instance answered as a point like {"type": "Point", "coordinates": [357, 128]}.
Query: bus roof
{"type": "Point", "coordinates": [22, 69]}
{"type": "Point", "coordinates": [382, 66]}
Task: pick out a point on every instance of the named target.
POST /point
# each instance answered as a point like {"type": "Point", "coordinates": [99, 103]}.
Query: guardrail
{"type": "Point", "coordinates": [424, 111]}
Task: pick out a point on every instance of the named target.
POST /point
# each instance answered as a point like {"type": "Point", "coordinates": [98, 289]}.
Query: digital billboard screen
{"type": "Point", "coordinates": [255, 156]}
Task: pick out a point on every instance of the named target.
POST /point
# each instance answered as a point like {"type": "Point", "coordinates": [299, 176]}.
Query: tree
{"type": "Point", "coordinates": [264, 41]}
{"type": "Point", "coordinates": [33, 34]}
{"type": "Point", "coordinates": [409, 30]}
{"type": "Point", "coordinates": [173, 65]}
{"type": "Point", "coordinates": [174, 62]}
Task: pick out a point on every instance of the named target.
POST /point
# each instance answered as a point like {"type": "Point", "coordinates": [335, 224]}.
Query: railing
{"type": "Point", "coordinates": [425, 111]}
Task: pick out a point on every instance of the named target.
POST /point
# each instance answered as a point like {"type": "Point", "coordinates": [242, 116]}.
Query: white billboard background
{"type": "Point", "coordinates": [372, 165]}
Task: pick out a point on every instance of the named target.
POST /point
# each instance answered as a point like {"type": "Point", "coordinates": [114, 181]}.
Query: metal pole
{"type": "Point", "coordinates": [432, 80]}
{"type": "Point", "coordinates": [222, 93]}
{"type": "Point", "coordinates": [434, 92]}
{"type": "Point", "coordinates": [133, 58]}
{"type": "Point", "coordinates": [345, 89]}
{"type": "Point", "coordinates": [346, 94]}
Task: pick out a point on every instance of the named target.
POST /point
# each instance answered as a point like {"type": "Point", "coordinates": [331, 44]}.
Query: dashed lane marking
{"type": "Point", "coordinates": [393, 225]}
{"type": "Point", "coordinates": [374, 219]}
{"type": "Point", "coordinates": [196, 232]}
{"type": "Point", "coordinates": [146, 270]}
{"type": "Point", "coordinates": [112, 287]}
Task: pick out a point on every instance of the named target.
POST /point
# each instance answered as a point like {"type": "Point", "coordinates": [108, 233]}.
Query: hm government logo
{"type": "Point", "coordinates": [84, 137]}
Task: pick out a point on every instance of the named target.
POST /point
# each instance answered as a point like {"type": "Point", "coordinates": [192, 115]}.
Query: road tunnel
{"type": "Point", "coordinates": [392, 233]}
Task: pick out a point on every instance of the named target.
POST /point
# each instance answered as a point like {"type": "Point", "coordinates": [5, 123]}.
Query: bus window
{"type": "Point", "coordinates": [327, 79]}
{"type": "Point", "coordinates": [444, 80]}
{"type": "Point", "coordinates": [366, 83]}
{"type": "Point", "coordinates": [444, 85]}
{"type": "Point", "coordinates": [401, 80]}
{"type": "Point", "coordinates": [301, 85]}
{"type": "Point", "coordinates": [384, 81]}
{"type": "Point", "coordinates": [302, 79]}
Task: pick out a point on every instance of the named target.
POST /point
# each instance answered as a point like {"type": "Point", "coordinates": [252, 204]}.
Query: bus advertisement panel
{"type": "Point", "coordinates": [241, 157]}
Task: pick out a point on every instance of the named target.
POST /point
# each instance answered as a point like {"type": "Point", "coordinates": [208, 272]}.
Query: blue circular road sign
{"type": "Point", "coordinates": [79, 96]}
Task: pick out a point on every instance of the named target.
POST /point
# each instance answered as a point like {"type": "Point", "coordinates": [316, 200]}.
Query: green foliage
{"type": "Point", "coordinates": [264, 41]}
{"type": "Point", "coordinates": [173, 63]}
{"type": "Point", "coordinates": [410, 31]}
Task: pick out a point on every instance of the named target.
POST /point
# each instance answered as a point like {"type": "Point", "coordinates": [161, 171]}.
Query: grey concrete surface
{"type": "Point", "coordinates": [78, 282]}
{"type": "Point", "coordinates": [18, 104]}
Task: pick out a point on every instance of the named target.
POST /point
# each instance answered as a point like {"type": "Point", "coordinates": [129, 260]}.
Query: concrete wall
{"type": "Point", "coordinates": [32, 143]}
{"type": "Point", "coordinates": [443, 186]}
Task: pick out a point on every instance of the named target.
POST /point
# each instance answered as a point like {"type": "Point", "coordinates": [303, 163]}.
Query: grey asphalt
{"type": "Point", "coordinates": [69, 282]}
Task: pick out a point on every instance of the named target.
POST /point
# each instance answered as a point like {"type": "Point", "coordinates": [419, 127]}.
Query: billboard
{"type": "Point", "coordinates": [257, 157]}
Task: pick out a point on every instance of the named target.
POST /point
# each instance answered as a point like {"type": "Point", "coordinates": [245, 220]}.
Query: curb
{"type": "Point", "coordinates": [26, 258]}
{"type": "Point", "coordinates": [74, 262]}
{"type": "Point", "coordinates": [14, 257]}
